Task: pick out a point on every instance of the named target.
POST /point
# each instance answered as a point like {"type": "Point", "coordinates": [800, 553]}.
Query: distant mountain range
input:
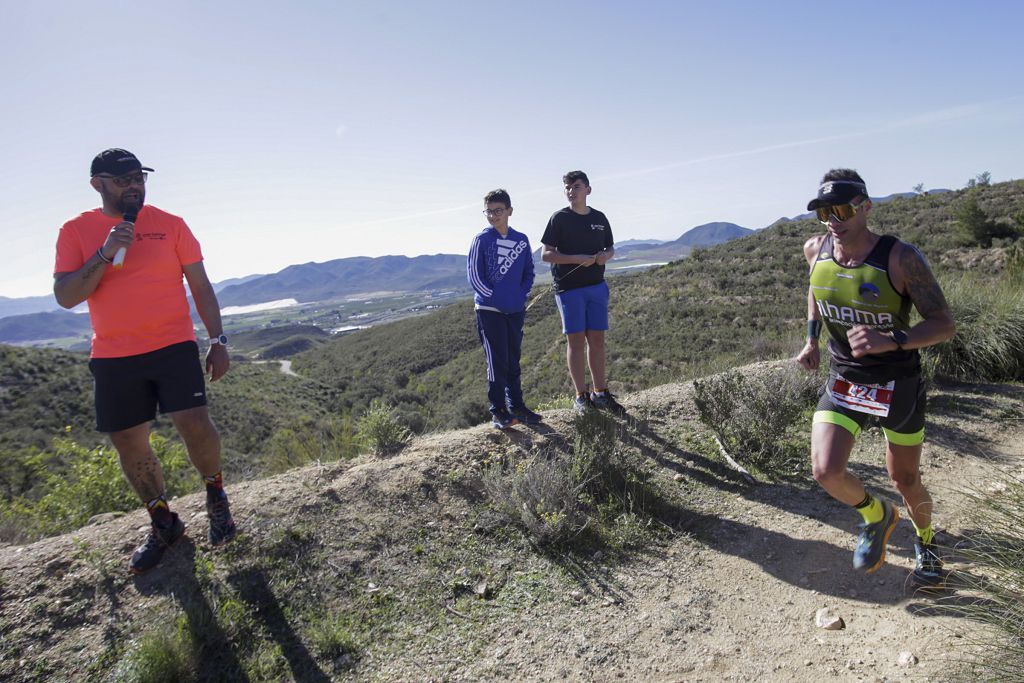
{"type": "Point", "coordinates": [39, 318]}
{"type": "Point", "coordinates": [662, 252]}
{"type": "Point", "coordinates": [351, 276]}
{"type": "Point", "coordinates": [30, 327]}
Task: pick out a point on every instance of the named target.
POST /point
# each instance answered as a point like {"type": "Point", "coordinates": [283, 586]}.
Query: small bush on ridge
{"type": "Point", "coordinates": [751, 410]}
{"type": "Point", "coordinates": [379, 429]}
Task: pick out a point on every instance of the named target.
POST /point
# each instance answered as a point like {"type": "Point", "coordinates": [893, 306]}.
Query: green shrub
{"type": "Point", "coordinates": [73, 483]}
{"type": "Point", "coordinates": [989, 341]}
{"type": "Point", "coordinates": [751, 411]}
{"type": "Point", "coordinates": [379, 429]}
{"type": "Point", "coordinates": [308, 442]}
{"type": "Point", "coordinates": [993, 591]}
{"type": "Point", "coordinates": [555, 495]}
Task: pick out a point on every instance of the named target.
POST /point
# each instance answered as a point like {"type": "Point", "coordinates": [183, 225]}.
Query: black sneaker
{"type": "Point", "coordinates": [526, 416]}
{"type": "Point", "coordinates": [501, 419]}
{"type": "Point", "coordinates": [607, 402]}
{"type": "Point", "coordinates": [222, 526]}
{"type": "Point", "coordinates": [149, 554]}
{"type": "Point", "coordinates": [870, 552]}
{"type": "Point", "coordinates": [928, 570]}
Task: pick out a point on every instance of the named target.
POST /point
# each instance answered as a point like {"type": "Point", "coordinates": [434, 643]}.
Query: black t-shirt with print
{"type": "Point", "coordinates": [573, 233]}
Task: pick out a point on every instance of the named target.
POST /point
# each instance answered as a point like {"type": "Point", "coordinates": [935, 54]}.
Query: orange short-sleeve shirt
{"type": "Point", "coordinates": [141, 307]}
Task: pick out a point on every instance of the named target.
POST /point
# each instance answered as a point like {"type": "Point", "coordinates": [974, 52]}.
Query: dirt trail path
{"type": "Point", "coordinates": [731, 596]}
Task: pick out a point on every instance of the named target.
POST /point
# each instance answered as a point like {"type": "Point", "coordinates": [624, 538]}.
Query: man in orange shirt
{"type": "Point", "coordinates": [127, 259]}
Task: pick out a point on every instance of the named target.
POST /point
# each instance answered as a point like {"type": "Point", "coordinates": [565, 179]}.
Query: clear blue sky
{"type": "Point", "coordinates": [308, 131]}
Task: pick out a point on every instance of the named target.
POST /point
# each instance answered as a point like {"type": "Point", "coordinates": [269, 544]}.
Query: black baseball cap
{"type": "Point", "coordinates": [836, 192]}
{"type": "Point", "coordinates": [116, 162]}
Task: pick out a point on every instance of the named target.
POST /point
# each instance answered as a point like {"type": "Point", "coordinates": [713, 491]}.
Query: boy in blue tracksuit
{"type": "Point", "coordinates": [500, 270]}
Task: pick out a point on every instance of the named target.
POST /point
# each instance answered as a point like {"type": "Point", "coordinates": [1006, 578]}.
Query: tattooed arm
{"type": "Point", "coordinates": [913, 277]}
{"type": "Point", "coordinates": [73, 288]}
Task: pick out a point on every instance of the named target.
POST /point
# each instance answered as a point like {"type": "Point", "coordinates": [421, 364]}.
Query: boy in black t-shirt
{"type": "Point", "coordinates": [577, 243]}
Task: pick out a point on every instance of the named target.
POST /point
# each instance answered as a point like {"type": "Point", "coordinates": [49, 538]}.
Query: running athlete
{"type": "Point", "coordinates": [500, 271]}
{"type": "Point", "coordinates": [862, 286]}
{"type": "Point", "coordinates": [577, 243]}
{"type": "Point", "coordinates": [144, 350]}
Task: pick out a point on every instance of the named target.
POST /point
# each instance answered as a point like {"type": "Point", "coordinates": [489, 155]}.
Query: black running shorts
{"type": "Point", "coordinates": [129, 389]}
{"type": "Point", "coordinates": [903, 426]}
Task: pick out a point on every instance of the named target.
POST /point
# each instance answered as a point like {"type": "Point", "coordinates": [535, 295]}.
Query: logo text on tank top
{"type": "Point", "coordinates": [848, 315]}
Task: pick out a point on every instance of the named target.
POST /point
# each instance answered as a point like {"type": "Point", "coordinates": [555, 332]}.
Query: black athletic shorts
{"type": "Point", "coordinates": [129, 389]}
{"type": "Point", "coordinates": [903, 426]}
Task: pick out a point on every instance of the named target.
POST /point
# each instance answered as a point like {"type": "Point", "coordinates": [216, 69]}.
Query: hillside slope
{"type": "Point", "coordinates": [398, 569]}
{"type": "Point", "coordinates": [730, 303]}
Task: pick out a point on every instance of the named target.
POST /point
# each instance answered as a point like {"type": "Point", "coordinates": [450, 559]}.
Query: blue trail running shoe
{"type": "Point", "coordinates": [928, 572]}
{"type": "Point", "coordinates": [501, 419]}
{"type": "Point", "coordinates": [870, 552]}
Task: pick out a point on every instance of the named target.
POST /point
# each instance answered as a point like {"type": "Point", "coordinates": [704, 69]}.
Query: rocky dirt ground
{"type": "Point", "coordinates": [730, 593]}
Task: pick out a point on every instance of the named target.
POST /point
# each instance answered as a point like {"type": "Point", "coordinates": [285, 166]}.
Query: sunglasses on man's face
{"type": "Point", "coordinates": [841, 212]}
{"type": "Point", "coordinates": [126, 180]}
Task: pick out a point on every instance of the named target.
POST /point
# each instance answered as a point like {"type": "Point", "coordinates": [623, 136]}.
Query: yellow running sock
{"type": "Point", "coordinates": [871, 509]}
{"type": "Point", "coordinates": [927, 534]}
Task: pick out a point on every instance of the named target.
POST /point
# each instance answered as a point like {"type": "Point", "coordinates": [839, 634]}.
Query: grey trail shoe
{"type": "Point", "coordinates": [870, 552]}
{"type": "Point", "coordinates": [606, 401]}
{"type": "Point", "coordinates": [928, 570]}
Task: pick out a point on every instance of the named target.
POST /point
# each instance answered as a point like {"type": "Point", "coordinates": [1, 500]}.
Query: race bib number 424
{"type": "Point", "coordinates": [873, 399]}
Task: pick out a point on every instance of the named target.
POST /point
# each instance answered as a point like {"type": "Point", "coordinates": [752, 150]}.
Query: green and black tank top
{"type": "Point", "coordinates": [862, 295]}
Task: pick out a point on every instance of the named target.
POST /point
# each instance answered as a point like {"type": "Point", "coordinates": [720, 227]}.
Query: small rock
{"type": "Point", "coordinates": [678, 477]}
{"type": "Point", "coordinates": [576, 595]}
{"type": "Point", "coordinates": [461, 571]}
{"type": "Point", "coordinates": [824, 618]}
{"type": "Point", "coordinates": [482, 589]}
{"type": "Point", "coordinates": [907, 658]}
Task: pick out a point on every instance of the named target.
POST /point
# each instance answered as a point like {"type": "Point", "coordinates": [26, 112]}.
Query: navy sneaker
{"type": "Point", "coordinates": [149, 554]}
{"type": "Point", "coordinates": [222, 526]}
{"type": "Point", "coordinates": [928, 570]}
{"type": "Point", "coordinates": [582, 404]}
{"type": "Point", "coordinates": [605, 401]}
{"type": "Point", "coordinates": [870, 552]}
{"type": "Point", "coordinates": [525, 415]}
{"type": "Point", "coordinates": [501, 419]}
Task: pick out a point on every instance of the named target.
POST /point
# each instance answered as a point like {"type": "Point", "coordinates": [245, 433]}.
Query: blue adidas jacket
{"type": "Point", "coordinates": [500, 270]}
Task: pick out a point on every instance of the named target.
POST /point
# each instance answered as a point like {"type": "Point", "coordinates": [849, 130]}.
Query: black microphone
{"type": "Point", "coordinates": [130, 214]}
